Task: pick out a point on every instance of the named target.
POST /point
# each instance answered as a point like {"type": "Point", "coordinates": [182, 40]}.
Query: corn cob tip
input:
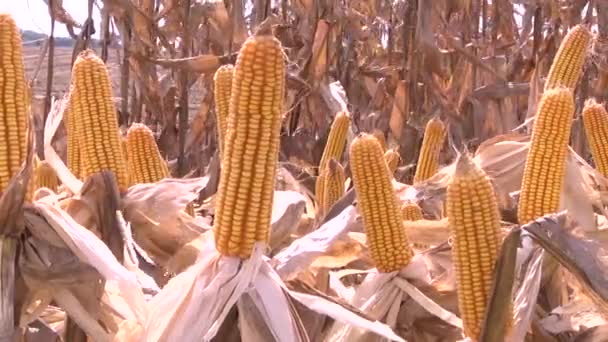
{"type": "Point", "coordinates": [363, 139]}
{"type": "Point", "coordinates": [567, 65]}
{"type": "Point", "coordinates": [6, 17]}
{"type": "Point", "coordinates": [223, 69]}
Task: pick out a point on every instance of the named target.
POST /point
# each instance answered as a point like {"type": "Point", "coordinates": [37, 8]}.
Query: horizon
{"type": "Point", "coordinates": [33, 15]}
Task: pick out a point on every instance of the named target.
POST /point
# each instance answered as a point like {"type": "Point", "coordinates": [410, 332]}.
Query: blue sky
{"type": "Point", "coordinates": [33, 15]}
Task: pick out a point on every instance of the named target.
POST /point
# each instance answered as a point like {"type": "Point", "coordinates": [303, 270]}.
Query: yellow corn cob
{"type": "Point", "coordinates": [544, 171]}
{"type": "Point", "coordinates": [428, 161]}
{"type": "Point", "coordinates": [333, 187]}
{"type": "Point", "coordinates": [245, 193]}
{"type": "Point", "coordinates": [595, 120]}
{"type": "Point", "coordinates": [123, 147]}
{"type": "Point", "coordinates": [95, 118]}
{"type": "Point", "coordinates": [146, 165]}
{"type": "Point", "coordinates": [320, 189]}
{"type": "Point", "coordinates": [569, 59]}
{"type": "Point", "coordinates": [380, 136]}
{"type": "Point", "coordinates": [45, 176]}
{"type": "Point", "coordinates": [392, 160]}
{"type": "Point", "coordinates": [336, 141]}
{"type": "Point", "coordinates": [222, 84]}
{"type": "Point", "coordinates": [474, 222]}
{"type": "Point", "coordinates": [410, 211]}
{"type": "Point", "coordinates": [378, 205]}
{"type": "Point", "coordinates": [73, 150]}
{"type": "Point", "coordinates": [14, 104]}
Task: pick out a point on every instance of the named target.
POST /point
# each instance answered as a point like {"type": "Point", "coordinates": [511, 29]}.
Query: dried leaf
{"type": "Point", "coordinates": [205, 64]}
{"type": "Point", "coordinates": [578, 256]}
{"type": "Point", "coordinates": [499, 309]}
{"type": "Point", "coordinates": [301, 252]}
{"type": "Point", "coordinates": [400, 112]}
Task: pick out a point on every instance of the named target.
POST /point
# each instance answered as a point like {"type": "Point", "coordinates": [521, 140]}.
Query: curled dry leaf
{"type": "Point", "coordinates": [578, 256]}
{"type": "Point", "coordinates": [301, 252]}
{"type": "Point", "coordinates": [205, 64]}
{"type": "Point", "coordinates": [91, 251]}
{"type": "Point", "coordinates": [287, 209]}
{"type": "Point", "coordinates": [155, 212]}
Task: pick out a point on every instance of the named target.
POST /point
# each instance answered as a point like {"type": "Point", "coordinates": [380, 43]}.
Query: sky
{"type": "Point", "coordinates": [34, 15]}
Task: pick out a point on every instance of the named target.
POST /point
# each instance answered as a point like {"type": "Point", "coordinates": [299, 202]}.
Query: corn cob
{"type": "Point", "coordinates": [123, 147]}
{"type": "Point", "coordinates": [95, 118]}
{"type": "Point", "coordinates": [595, 120]}
{"type": "Point", "coordinates": [378, 205]}
{"type": "Point", "coordinates": [428, 161]}
{"type": "Point", "coordinates": [474, 222]}
{"type": "Point", "coordinates": [333, 187]}
{"type": "Point", "coordinates": [222, 84]}
{"type": "Point", "coordinates": [73, 151]}
{"type": "Point", "coordinates": [45, 176]}
{"type": "Point", "coordinates": [245, 193]}
{"type": "Point", "coordinates": [544, 170]}
{"type": "Point", "coordinates": [146, 165]}
{"type": "Point", "coordinates": [380, 136]}
{"type": "Point", "coordinates": [410, 211]}
{"type": "Point", "coordinates": [568, 63]}
{"type": "Point", "coordinates": [336, 141]}
{"type": "Point", "coordinates": [392, 160]}
{"type": "Point", "coordinates": [14, 99]}
{"type": "Point", "coordinates": [320, 190]}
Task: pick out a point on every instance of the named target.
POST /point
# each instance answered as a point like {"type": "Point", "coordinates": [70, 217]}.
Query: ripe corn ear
{"type": "Point", "coordinates": [568, 63]}
{"type": "Point", "coordinates": [146, 165]}
{"type": "Point", "coordinates": [410, 211]}
{"type": "Point", "coordinates": [45, 176]}
{"type": "Point", "coordinates": [95, 118]}
{"type": "Point", "coordinates": [222, 86]}
{"type": "Point", "coordinates": [428, 161]}
{"type": "Point", "coordinates": [392, 160]}
{"type": "Point", "coordinates": [474, 222]}
{"type": "Point", "coordinates": [595, 120]}
{"type": "Point", "coordinates": [245, 193]}
{"type": "Point", "coordinates": [378, 205]}
{"type": "Point", "coordinates": [320, 190]}
{"type": "Point", "coordinates": [14, 106]}
{"type": "Point", "coordinates": [73, 150]}
{"type": "Point", "coordinates": [544, 170]}
{"type": "Point", "coordinates": [336, 141]}
{"type": "Point", "coordinates": [333, 187]}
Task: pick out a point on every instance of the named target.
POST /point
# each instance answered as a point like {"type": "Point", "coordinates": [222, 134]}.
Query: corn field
{"type": "Point", "coordinates": [298, 170]}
